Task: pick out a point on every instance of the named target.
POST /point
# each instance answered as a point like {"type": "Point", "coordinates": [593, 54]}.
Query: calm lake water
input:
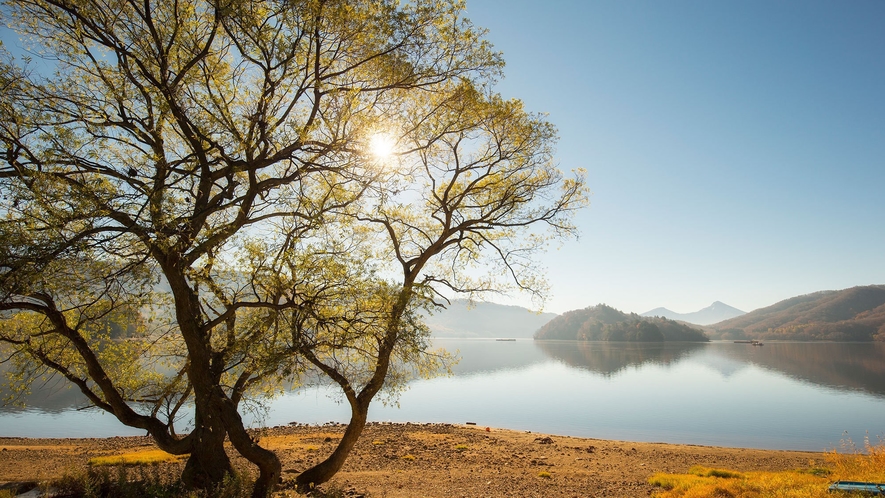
{"type": "Point", "coordinates": [802, 396]}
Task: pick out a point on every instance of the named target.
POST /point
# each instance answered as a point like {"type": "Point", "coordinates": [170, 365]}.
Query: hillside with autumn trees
{"type": "Point", "coordinates": [604, 323]}
{"type": "Point", "coordinates": [855, 314]}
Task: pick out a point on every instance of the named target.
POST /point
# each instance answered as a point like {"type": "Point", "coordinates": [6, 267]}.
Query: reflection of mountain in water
{"type": "Point", "coordinates": [489, 356]}
{"type": "Point", "coordinates": [55, 396]}
{"type": "Point", "coordinates": [608, 358]}
{"type": "Point", "coordinates": [725, 366]}
{"type": "Point", "coordinates": [852, 366]}
{"type": "Point", "coordinates": [842, 366]}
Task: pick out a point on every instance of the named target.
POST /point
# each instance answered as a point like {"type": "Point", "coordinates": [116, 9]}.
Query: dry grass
{"type": "Point", "coordinates": [852, 465]}
{"type": "Point", "coordinates": [785, 484]}
{"type": "Point", "coordinates": [300, 443]}
{"type": "Point", "coordinates": [146, 457]}
{"type": "Point", "coordinates": [701, 482]}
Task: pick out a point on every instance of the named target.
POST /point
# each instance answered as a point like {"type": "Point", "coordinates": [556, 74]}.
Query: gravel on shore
{"type": "Point", "coordinates": [434, 460]}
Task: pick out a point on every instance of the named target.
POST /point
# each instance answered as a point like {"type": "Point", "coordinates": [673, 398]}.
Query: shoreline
{"type": "Point", "coordinates": [434, 460]}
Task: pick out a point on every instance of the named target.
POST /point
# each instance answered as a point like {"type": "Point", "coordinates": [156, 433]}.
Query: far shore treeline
{"type": "Point", "coordinates": [604, 323]}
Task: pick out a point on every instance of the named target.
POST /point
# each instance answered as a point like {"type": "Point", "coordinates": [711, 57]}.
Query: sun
{"type": "Point", "coordinates": [381, 146]}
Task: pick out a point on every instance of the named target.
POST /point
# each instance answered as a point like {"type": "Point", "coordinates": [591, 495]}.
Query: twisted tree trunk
{"type": "Point", "coordinates": [325, 470]}
{"type": "Point", "coordinates": [359, 403]}
{"type": "Point", "coordinates": [208, 463]}
{"type": "Point", "coordinates": [269, 467]}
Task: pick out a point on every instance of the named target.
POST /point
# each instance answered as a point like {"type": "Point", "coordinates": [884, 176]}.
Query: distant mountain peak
{"type": "Point", "coordinates": [716, 312]}
{"type": "Point", "coordinates": [659, 312]}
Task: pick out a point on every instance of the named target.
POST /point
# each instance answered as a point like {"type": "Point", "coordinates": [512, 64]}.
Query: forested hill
{"type": "Point", "coordinates": [604, 323]}
{"type": "Point", "coordinates": [855, 314]}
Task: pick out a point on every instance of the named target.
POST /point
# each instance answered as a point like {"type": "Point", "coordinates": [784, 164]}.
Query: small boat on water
{"type": "Point", "coordinates": [752, 343]}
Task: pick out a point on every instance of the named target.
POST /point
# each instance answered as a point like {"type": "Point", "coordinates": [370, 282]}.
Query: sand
{"type": "Point", "coordinates": [435, 460]}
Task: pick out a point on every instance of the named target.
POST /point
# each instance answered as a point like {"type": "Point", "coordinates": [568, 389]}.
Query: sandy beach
{"type": "Point", "coordinates": [435, 460]}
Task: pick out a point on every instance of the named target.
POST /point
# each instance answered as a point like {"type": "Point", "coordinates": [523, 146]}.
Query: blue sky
{"type": "Point", "coordinates": [735, 150]}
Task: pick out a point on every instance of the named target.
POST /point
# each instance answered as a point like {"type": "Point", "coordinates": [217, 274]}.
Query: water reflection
{"type": "Point", "coordinates": [609, 358]}
{"type": "Point", "coordinates": [53, 396]}
{"type": "Point", "coordinates": [484, 355]}
{"type": "Point", "coordinates": [782, 395]}
{"type": "Point", "coordinates": [841, 366]}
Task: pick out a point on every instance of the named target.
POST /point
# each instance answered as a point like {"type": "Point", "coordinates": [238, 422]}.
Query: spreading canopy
{"type": "Point", "coordinates": [154, 144]}
{"type": "Point", "coordinates": [210, 165]}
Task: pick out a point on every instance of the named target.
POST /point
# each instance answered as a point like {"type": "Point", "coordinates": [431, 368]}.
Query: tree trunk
{"type": "Point", "coordinates": [325, 470]}
{"type": "Point", "coordinates": [269, 467]}
{"type": "Point", "coordinates": [359, 404]}
{"type": "Point", "coordinates": [208, 463]}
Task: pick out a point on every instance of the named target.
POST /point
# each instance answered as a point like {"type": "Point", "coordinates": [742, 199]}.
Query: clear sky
{"type": "Point", "coordinates": [735, 149]}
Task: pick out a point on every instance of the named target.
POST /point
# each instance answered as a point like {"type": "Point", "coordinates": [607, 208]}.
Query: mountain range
{"type": "Point", "coordinates": [716, 312]}
{"type": "Point", "coordinates": [485, 320]}
{"type": "Point", "coordinates": [855, 314]}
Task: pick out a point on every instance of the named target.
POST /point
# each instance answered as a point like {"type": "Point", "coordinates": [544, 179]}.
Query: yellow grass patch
{"type": "Point", "coordinates": [720, 483]}
{"type": "Point", "coordinates": [292, 442]}
{"type": "Point", "coordinates": [702, 482]}
{"type": "Point", "coordinates": [857, 467]}
{"type": "Point", "coordinates": [136, 458]}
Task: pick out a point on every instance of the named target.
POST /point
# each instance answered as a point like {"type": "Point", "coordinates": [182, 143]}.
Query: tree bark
{"type": "Point", "coordinates": [325, 470]}
{"type": "Point", "coordinates": [269, 467]}
{"type": "Point", "coordinates": [208, 463]}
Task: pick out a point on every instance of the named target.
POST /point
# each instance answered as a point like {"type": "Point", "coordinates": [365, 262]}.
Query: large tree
{"type": "Point", "coordinates": [155, 146]}
{"type": "Point", "coordinates": [469, 195]}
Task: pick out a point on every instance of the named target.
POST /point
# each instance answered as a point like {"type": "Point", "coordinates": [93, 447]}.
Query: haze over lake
{"type": "Point", "coordinates": [803, 396]}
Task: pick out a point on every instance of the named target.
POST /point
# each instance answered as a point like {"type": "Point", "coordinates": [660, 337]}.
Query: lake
{"type": "Point", "coordinates": [800, 396]}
